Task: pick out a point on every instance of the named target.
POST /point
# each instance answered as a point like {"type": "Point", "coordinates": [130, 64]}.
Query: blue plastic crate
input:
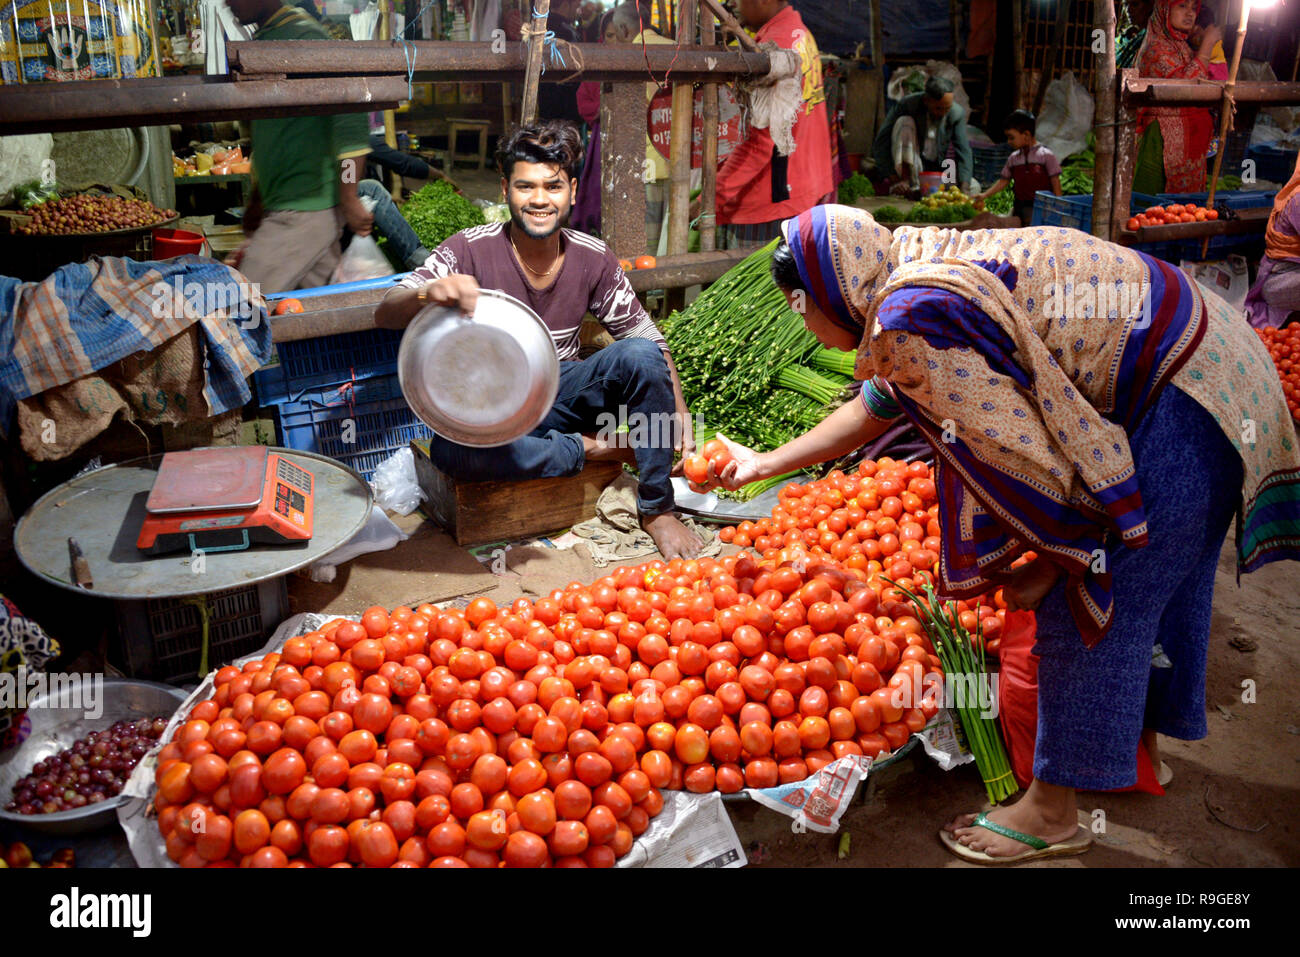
{"type": "Point", "coordinates": [307, 364]}
{"type": "Point", "coordinates": [988, 162]}
{"type": "Point", "coordinates": [1075, 212]}
{"type": "Point", "coordinates": [381, 423]}
{"type": "Point", "coordinates": [1220, 246]}
{"type": "Point", "coordinates": [1272, 163]}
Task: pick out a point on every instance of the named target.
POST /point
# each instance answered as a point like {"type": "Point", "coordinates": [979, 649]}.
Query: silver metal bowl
{"type": "Point", "coordinates": [56, 725]}
{"type": "Point", "coordinates": [480, 380]}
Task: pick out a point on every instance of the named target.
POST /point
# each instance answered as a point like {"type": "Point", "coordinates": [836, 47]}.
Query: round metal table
{"type": "Point", "coordinates": [103, 511]}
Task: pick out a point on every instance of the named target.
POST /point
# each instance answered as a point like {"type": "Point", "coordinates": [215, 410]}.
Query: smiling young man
{"type": "Point", "coordinates": [561, 274]}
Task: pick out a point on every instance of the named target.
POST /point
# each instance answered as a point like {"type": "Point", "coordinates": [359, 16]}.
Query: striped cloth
{"type": "Point", "coordinates": [86, 316]}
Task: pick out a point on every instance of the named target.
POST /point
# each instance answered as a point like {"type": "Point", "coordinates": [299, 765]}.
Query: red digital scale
{"type": "Point", "coordinates": [226, 499]}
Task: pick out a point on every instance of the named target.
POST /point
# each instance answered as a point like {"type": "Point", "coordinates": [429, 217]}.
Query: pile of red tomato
{"type": "Point", "coordinates": [1171, 214]}
{"type": "Point", "coordinates": [882, 520]}
{"type": "Point", "coordinates": [542, 733]}
{"type": "Point", "coordinates": [1284, 347]}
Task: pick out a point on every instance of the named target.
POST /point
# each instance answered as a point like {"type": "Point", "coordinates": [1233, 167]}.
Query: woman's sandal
{"type": "Point", "coordinates": [1077, 844]}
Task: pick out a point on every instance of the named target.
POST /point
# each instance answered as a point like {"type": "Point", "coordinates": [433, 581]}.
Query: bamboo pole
{"type": "Point", "coordinates": [730, 22]}
{"type": "Point", "coordinates": [1104, 173]}
{"type": "Point", "coordinates": [1225, 120]}
{"type": "Point", "coordinates": [709, 159]}
{"type": "Point", "coordinates": [390, 118]}
{"type": "Point", "coordinates": [1053, 54]}
{"type": "Point", "coordinates": [1125, 158]}
{"type": "Point", "coordinates": [679, 197]}
{"type": "Point", "coordinates": [536, 27]}
{"type": "Point", "coordinates": [1017, 49]}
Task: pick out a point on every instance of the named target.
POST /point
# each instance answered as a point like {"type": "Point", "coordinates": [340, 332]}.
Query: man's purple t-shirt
{"type": "Point", "coordinates": [590, 280]}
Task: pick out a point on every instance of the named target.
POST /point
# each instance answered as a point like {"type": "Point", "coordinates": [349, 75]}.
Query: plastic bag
{"type": "Point", "coordinates": [1066, 119]}
{"type": "Point", "coordinates": [378, 535]}
{"type": "Point", "coordinates": [395, 485]}
{"type": "Point", "coordinates": [363, 259]}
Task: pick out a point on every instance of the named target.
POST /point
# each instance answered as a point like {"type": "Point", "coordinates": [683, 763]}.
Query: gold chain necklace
{"type": "Point", "coordinates": [522, 262]}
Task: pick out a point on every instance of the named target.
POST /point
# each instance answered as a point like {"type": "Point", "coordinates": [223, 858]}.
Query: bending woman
{"type": "Point", "coordinates": [1086, 402]}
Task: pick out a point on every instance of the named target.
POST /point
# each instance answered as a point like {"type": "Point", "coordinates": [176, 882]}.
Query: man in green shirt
{"type": "Point", "coordinates": [306, 169]}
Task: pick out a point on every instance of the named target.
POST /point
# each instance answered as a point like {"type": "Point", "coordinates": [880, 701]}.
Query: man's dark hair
{"type": "Point", "coordinates": [785, 273]}
{"type": "Point", "coordinates": [1022, 121]}
{"type": "Point", "coordinates": [553, 143]}
{"type": "Point", "coordinates": [936, 88]}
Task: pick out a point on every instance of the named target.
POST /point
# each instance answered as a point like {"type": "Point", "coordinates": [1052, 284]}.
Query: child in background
{"type": "Point", "coordinates": [1030, 168]}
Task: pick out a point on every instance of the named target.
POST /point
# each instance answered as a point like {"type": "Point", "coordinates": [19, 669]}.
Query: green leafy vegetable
{"type": "Point", "coordinates": [1001, 203]}
{"type": "Point", "coordinates": [854, 188]}
{"type": "Point", "coordinates": [437, 211]}
{"type": "Point", "coordinates": [888, 214]}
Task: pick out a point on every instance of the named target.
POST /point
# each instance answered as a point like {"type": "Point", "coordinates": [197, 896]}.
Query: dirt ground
{"type": "Point", "coordinates": [1234, 800]}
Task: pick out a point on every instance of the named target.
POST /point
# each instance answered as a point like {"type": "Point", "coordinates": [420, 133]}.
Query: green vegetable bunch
{"type": "Point", "coordinates": [438, 211]}
{"type": "Point", "coordinates": [1001, 203]}
{"type": "Point", "coordinates": [888, 214]}
{"type": "Point", "coordinates": [854, 188]}
{"type": "Point", "coordinates": [748, 366]}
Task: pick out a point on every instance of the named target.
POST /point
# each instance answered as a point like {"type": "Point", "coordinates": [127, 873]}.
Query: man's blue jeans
{"type": "Point", "coordinates": [630, 374]}
{"type": "Point", "coordinates": [390, 222]}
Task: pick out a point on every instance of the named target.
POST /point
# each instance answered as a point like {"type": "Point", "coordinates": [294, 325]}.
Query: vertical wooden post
{"type": "Point", "coordinates": [679, 197]}
{"type": "Point", "coordinates": [954, 15]}
{"type": "Point", "coordinates": [1053, 53]}
{"type": "Point", "coordinates": [1226, 110]}
{"type": "Point", "coordinates": [390, 118]}
{"type": "Point", "coordinates": [1104, 89]}
{"type": "Point", "coordinates": [1018, 50]}
{"type": "Point", "coordinates": [709, 159]}
{"type": "Point", "coordinates": [622, 142]}
{"type": "Point", "coordinates": [1125, 155]}
{"type": "Point", "coordinates": [535, 24]}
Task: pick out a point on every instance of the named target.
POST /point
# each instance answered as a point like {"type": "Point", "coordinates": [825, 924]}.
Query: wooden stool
{"type": "Point", "coordinates": [474, 513]}
{"type": "Point", "coordinates": [456, 126]}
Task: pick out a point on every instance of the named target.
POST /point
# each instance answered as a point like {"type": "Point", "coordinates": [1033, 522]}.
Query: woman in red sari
{"type": "Point", "coordinates": [1174, 140]}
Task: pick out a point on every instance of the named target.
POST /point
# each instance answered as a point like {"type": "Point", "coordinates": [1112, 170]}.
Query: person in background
{"type": "Point", "coordinates": [757, 187]}
{"type": "Point", "coordinates": [1218, 63]}
{"type": "Point", "coordinates": [1275, 297]}
{"type": "Point", "coordinates": [307, 169]}
{"type": "Point", "coordinates": [586, 203]}
{"type": "Point", "coordinates": [389, 222]}
{"type": "Point", "coordinates": [1129, 40]}
{"type": "Point", "coordinates": [1174, 140]}
{"type": "Point", "coordinates": [1030, 168]}
{"type": "Point", "coordinates": [915, 136]}
{"type": "Point", "coordinates": [591, 21]}
{"type": "Point", "coordinates": [561, 274]}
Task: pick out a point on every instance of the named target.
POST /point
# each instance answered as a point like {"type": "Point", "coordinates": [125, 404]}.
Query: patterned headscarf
{"type": "Point", "coordinates": [1186, 131]}
{"type": "Point", "coordinates": [840, 254]}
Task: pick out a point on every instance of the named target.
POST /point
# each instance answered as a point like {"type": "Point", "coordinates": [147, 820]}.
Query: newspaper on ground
{"type": "Point", "coordinates": [693, 830]}
{"type": "Point", "coordinates": [943, 742]}
{"type": "Point", "coordinates": [817, 801]}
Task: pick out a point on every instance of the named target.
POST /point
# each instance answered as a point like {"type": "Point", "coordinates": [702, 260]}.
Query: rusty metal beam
{"type": "Point", "coordinates": [1145, 91]}
{"type": "Point", "coordinates": [106, 104]}
{"type": "Point", "coordinates": [622, 180]}
{"type": "Point", "coordinates": [475, 62]}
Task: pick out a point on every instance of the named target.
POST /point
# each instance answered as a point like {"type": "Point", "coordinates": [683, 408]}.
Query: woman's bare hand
{"type": "Point", "coordinates": [745, 467]}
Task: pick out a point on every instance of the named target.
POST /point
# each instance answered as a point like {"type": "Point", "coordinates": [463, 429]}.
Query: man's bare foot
{"type": "Point", "coordinates": [672, 538]}
{"type": "Point", "coordinates": [1046, 811]}
{"type": "Point", "coordinates": [599, 451]}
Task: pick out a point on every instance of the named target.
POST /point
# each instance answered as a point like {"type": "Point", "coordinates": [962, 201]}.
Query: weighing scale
{"type": "Point", "coordinates": [225, 499]}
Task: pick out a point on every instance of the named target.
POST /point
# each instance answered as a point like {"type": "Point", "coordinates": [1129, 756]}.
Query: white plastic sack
{"type": "Point", "coordinates": [22, 159]}
{"type": "Point", "coordinates": [378, 535]}
{"type": "Point", "coordinates": [395, 485]}
{"type": "Point", "coordinates": [1066, 118]}
{"type": "Point", "coordinates": [363, 259]}
{"type": "Point", "coordinates": [902, 81]}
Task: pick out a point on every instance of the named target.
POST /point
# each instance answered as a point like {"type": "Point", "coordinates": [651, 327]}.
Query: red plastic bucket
{"type": "Point", "coordinates": [176, 242]}
{"type": "Point", "coordinates": [931, 183]}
